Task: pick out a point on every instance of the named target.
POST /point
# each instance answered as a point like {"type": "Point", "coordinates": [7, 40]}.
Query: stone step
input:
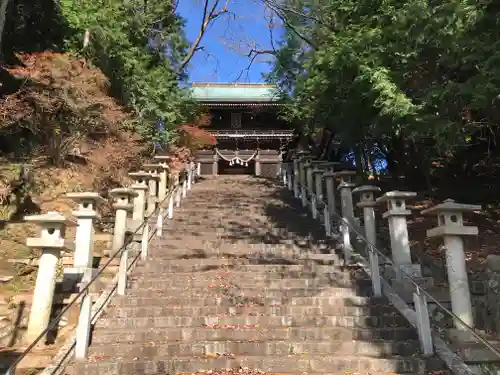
{"type": "Point", "coordinates": [262, 272]}
{"type": "Point", "coordinates": [111, 335]}
{"type": "Point", "coordinates": [227, 290]}
{"type": "Point", "coordinates": [254, 320]}
{"type": "Point", "coordinates": [248, 283]}
{"type": "Point", "coordinates": [188, 300]}
{"type": "Point", "coordinates": [339, 310]}
{"type": "Point", "coordinates": [232, 266]}
{"type": "Point", "coordinates": [152, 350]}
{"type": "Point", "coordinates": [287, 364]}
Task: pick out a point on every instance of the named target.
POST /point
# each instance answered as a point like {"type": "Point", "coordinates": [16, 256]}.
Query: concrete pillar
{"type": "Point", "coordinates": [84, 243]}
{"type": "Point", "coordinates": [51, 242]}
{"type": "Point", "coordinates": [191, 175]}
{"type": "Point", "coordinates": [153, 186]}
{"type": "Point", "coordinates": [215, 165]}
{"type": "Point", "coordinates": [367, 203]}
{"type": "Point", "coordinates": [140, 185]}
{"type": "Point", "coordinates": [162, 194]}
{"type": "Point", "coordinates": [296, 174]}
{"type": "Point", "coordinates": [400, 243]}
{"type": "Point", "coordinates": [330, 190]}
{"type": "Point", "coordinates": [345, 188]}
{"type": "Point", "coordinates": [451, 227]}
{"type": "Point", "coordinates": [258, 166]}
{"type": "Point", "coordinates": [122, 205]}
{"type": "Point", "coordinates": [318, 183]}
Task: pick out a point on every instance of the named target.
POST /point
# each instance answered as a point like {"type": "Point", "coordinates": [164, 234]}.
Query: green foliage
{"type": "Point", "coordinates": [139, 46]}
{"type": "Point", "coordinates": [381, 70]}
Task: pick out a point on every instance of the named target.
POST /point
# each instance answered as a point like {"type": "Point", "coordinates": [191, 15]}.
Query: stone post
{"type": "Point", "coordinates": [400, 244]}
{"type": "Point", "coordinates": [198, 169]}
{"type": "Point", "coordinates": [303, 182]}
{"type": "Point", "coordinates": [367, 203]}
{"type": "Point", "coordinates": [85, 215]}
{"type": "Point", "coordinates": [162, 194]}
{"type": "Point", "coordinates": [309, 167]}
{"type": "Point", "coordinates": [296, 177]}
{"type": "Point", "coordinates": [215, 165]}
{"type": "Point", "coordinates": [318, 182]}
{"type": "Point", "coordinates": [184, 185]}
{"type": "Point", "coordinates": [330, 190]}
{"type": "Point", "coordinates": [51, 242]}
{"type": "Point", "coordinates": [258, 166]}
{"type": "Point", "coordinates": [190, 176]}
{"type": "Point", "coordinates": [451, 227]}
{"type": "Point", "coordinates": [122, 205]}
{"type": "Point", "coordinates": [153, 187]}
{"type": "Point", "coordinates": [345, 187]}
{"type": "Point", "coordinates": [140, 185]}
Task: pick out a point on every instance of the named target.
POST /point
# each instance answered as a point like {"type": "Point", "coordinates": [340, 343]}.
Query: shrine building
{"type": "Point", "coordinates": [249, 134]}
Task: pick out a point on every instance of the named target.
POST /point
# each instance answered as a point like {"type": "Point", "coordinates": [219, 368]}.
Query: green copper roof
{"type": "Point", "coordinates": [224, 92]}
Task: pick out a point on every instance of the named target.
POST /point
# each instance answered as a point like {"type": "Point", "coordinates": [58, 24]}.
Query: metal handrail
{"type": "Point", "coordinates": [420, 289]}
{"type": "Point", "coordinates": [86, 287]}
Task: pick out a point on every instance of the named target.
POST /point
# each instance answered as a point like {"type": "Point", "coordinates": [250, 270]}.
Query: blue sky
{"type": "Point", "coordinates": [227, 42]}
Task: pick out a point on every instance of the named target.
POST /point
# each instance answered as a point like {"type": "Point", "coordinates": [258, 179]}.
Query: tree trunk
{"type": "Point", "coordinates": [3, 17]}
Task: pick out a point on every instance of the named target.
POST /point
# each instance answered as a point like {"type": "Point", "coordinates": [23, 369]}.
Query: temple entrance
{"type": "Point", "coordinates": [225, 168]}
{"type": "Point", "coordinates": [236, 161]}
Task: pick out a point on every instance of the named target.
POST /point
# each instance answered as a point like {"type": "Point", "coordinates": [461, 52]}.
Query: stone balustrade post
{"type": "Point", "coordinates": [51, 242]}
{"type": "Point", "coordinates": [84, 243]}
{"type": "Point", "coordinates": [122, 204]}
{"type": "Point", "coordinates": [451, 227]}
{"type": "Point", "coordinates": [191, 176]}
{"type": "Point", "coordinates": [142, 180]}
{"type": "Point", "coordinates": [330, 190]}
{"type": "Point", "coordinates": [318, 183]}
{"type": "Point", "coordinates": [140, 186]}
{"type": "Point", "coordinates": [184, 185]}
{"type": "Point", "coordinates": [289, 176]}
{"type": "Point", "coordinates": [345, 188]}
{"type": "Point", "coordinates": [258, 165]}
{"type": "Point", "coordinates": [400, 243]}
{"type": "Point", "coordinates": [367, 203]}
{"type": "Point", "coordinates": [303, 181]}
{"type": "Point", "coordinates": [162, 194]}
{"type": "Point", "coordinates": [178, 190]}
{"type": "Point", "coordinates": [153, 187]}
{"type": "Point", "coordinates": [296, 178]}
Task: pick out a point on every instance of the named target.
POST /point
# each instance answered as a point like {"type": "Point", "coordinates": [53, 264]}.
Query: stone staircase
{"type": "Point", "coordinates": [232, 285]}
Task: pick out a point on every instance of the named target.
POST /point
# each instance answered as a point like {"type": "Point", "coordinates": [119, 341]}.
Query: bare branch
{"type": "Point", "coordinates": [280, 12]}
{"type": "Point", "coordinates": [253, 54]}
{"type": "Point", "coordinates": [208, 17]}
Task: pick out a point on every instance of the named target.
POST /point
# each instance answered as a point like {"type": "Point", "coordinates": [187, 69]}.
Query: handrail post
{"type": "Point", "coordinates": [423, 322]}
{"type": "Point", "coordinates": [303, 182]}
{"type": "Point", "coordinates": [296, 174]}
{"type": "Point", "coordinates": [451, 227]}
{"type": "Point", "coordinates": [345, 188]}
{"type": "Point", "coordinates": [367, 203]}
{"type": "Point", "coordinates": [122, 205]}
{"type": "Point", "coordinates": [162, 194]}
{"type": "Point", "coordinates": [154, 178]}
{"type": "Point", "coordinates": [82, 264]}
{"type": "Point", "coordinates": [142, 180]}
{"type": "Point", "coordinates": [184, 185]}
{"type": "Point", "coordinates": [51, 242]}
{"type": "Point", "coordinates": [289, 176]}
{"type": "Point", "coordinates": [330, 189]}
